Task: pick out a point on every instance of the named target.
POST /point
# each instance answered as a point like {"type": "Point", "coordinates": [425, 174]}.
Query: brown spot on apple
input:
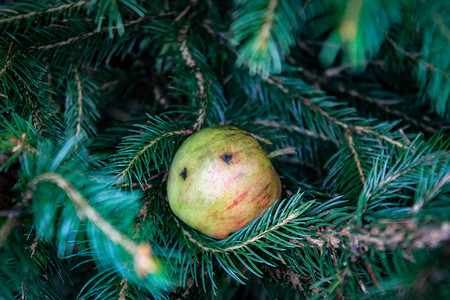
{"type": "Point", "coordinates": [183, 174]}
{"type": "Point", "coordinates": [226, 158]}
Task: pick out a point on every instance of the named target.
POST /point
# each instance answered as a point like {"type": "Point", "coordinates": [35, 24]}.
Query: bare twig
{"type": "Point", "coordinates": [123, 289]}
{"type": "Point", "coordinates": [406, 236]}
{"type": "Point", "coordinates": [21, 143]}
{"type": "Point", "coordinates": [372, 275]}
{"type": "Point", "coordinates": [33, 247]}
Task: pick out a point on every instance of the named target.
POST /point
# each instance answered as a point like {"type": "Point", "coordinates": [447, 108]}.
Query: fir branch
{"type": "Point", "coordinates": [443, 181]}
{"type": "Point", "coordinates": [386, 138]}
{"type": "Point", "coordinates": [413, 57]}
{"type": "Point", "coordinates": [193, 240]}
{"type": "Point", "coordinates": [405, 235]}
{"type": "Point", "coordinates": [84, 209]}
{"type": "Point", "coordinates": [266, 36]}
{"type": "Point", "coordinates": [352, 146]}
{"type": "Point", "coordinates": [420, 162]}
{"type": "Point", "coordinates": [263, 37]}
{"type": "Point", "coordinates": [44, 11]}
{"type": "Point", "coordinates": [138, 155]}
{"type": "Point", "coordinates": [356, 128]}
{"type": "Point", "coordinates": [244, 243]}
{"type": "Point", "coordinates": [326, 83]}
{"type": "Point", "coordinates": [380, 104]}
{"type": "Point", "coordinates": [96, 32]}
{"type": "Point", "coordinates": [144, 262]}
{"type": "Point", "coordinates": [294, 128]}
{"type": "Point", "coordinates": [262, 235]}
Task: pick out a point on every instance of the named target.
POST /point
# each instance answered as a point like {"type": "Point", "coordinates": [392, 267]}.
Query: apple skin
{"type": "Point", "coordinates": [220, 180]}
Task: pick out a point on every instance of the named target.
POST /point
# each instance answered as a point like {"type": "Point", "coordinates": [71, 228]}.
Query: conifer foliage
{"type": "Point", "coordinates": [96, 96]}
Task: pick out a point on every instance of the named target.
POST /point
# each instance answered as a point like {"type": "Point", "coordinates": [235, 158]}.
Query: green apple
{"type": "Point", "coordinates": [220, 180]}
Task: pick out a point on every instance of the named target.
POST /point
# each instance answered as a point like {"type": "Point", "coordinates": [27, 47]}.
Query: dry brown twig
{"type": "Point", "coordinates": [189, 59]}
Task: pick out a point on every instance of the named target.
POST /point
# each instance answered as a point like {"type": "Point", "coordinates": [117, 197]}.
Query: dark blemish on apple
{"type": "Point", "coordinates": [226, 158]}
{"type": "Point", "coordinates": [183, 174]}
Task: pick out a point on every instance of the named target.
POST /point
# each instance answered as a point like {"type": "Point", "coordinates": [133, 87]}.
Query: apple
{"type": "Point", "coordinates": [220, 180]}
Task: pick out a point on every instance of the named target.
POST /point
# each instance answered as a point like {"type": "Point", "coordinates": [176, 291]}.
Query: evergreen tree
{"type": "Point", "coordinates": [98, 95]}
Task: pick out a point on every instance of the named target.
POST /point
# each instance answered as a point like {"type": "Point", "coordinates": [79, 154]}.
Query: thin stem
{"type": "Point", "coordinates": [283, 151]}
{"type": "Point", "coordinates": [264, 35]}
{"type": "Point", "coordinates": [123, 289]}
{"type": "Point", "coordinates": [352, 146]}
{"type": "Point", "coordinates": [80, 103]}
